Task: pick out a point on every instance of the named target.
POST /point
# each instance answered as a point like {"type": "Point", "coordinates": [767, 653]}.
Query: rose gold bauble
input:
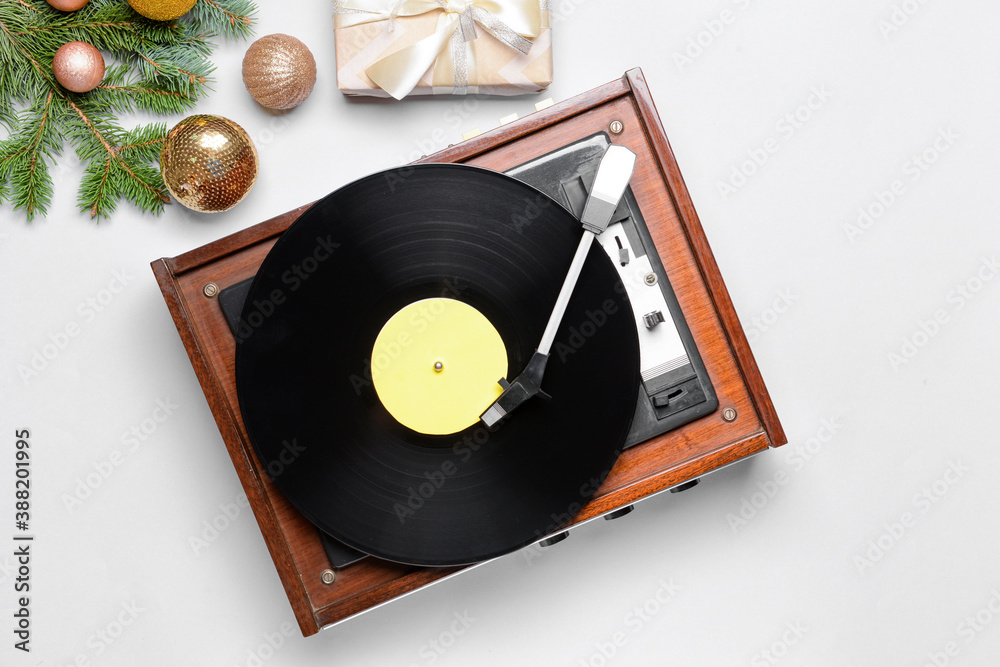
{"type": "Point", "coordinates": [208, 163]}
{"type": "Point", "coordinates": [78, 66]}
{"type": "Point", "coordinates": [279, 71]}
{"type": "Point", "coordinates": [67, 5]}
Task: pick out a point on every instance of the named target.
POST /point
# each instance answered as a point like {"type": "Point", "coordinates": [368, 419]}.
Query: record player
{"type": "Point", "coordinates": [652, 380]}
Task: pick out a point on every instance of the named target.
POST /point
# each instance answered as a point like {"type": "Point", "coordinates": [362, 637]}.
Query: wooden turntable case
{"type": "Point", "coordinates": [744, 424]}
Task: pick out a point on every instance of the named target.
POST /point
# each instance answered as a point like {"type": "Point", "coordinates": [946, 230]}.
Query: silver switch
{"type": "Point", "coordinates": [653, 318]}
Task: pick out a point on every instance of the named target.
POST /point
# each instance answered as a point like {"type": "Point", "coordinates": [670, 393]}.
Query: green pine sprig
{"type": "Point", "coordinates": [232, 19]}
{"type": "Point", "coordinates": [157, 67]}
{"type": "Point", "coordinates": [24, 174]}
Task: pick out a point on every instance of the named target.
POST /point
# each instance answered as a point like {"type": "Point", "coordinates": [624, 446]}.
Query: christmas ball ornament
{"type": "Point", "coordinates": [279, 71]}
{"type": "Point", "coordinates": [208, 163]}
{"type": "Point", "coordinates": [78, 66]}
{"type": "Point", "coordinates": [162, 10]}
{"type": "Point", "coordinates": [67, 5]}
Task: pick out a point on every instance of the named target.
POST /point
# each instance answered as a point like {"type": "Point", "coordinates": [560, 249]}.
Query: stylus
{"type": "Point", "coordinates": [612, 178]}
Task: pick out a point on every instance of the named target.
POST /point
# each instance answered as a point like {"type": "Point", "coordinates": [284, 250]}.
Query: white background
{"type": "Point", "coordinates": [823, 573]}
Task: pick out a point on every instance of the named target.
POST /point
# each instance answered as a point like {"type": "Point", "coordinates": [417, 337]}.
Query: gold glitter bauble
{"type": "Point", "coordinates": [67, 5]}
{"type": "Point", "coordinates": [279, 71]}
{"type": "Point", "coordinates": [78, 66]}
{"type": "Point", "coordinates": [162, 10]}
{"type": "Point", "coordinates": [208, 163]}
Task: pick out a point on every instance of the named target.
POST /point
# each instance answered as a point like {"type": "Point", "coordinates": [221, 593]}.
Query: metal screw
{"type": "Point", "coordinates": [616, 127]}
{"type": "Point", "coordinates": [650, 279]}
{"type": "Point", "coordinates": [210, 290]}
{"type": "Point", "coordinates": [328, 576]}
{"type": "Point", "coordinates": [729, 414]}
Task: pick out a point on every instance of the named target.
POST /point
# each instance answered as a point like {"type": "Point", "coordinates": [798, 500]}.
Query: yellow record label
{"type": "Point", "coordinates": [435, 365]}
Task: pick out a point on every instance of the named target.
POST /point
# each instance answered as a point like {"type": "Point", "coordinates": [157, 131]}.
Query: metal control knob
{"type": "Point", "coordinates": [652, 319]}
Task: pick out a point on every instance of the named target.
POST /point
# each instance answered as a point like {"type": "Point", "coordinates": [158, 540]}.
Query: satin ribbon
{"type": "Point", "coordinates": [512, 22]}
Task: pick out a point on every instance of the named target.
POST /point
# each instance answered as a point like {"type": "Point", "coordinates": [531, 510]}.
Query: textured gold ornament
{"type": "Point", "coordinates": [162, 10]}
{"type": "Point", "coordinates": [209, 163]}
{"type": "Point", "coordinates": [67, 5]}
{"type": "Point", "coordinates": [279, 71]}
{"type": "Point", "coordinates": [78, 66]}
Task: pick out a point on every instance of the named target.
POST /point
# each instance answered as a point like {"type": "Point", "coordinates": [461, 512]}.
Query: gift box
{"type": "Point", "coordinates": [395, 48]}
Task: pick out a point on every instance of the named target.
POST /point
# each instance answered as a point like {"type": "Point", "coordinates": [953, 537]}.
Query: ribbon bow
{"type": "Point", "coordinates": [510, 21]}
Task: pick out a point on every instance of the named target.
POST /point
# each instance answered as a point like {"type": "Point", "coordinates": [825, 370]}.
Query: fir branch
{"type": "Point", "coordinates": [177, 66]}
{"type": "Point", "coordinates": [146, 95]}
{"type": "Point", "coordinates": [95, 191]}
{"type": "Point", "coordinates": [234, 17]}
{"type": "Point", "coordinates": [145, 140]}
{"type": "Point", "coordinates": [27, 75]}
{"type": "Point", "coordinates": [22, 159]}
{"type": "Point", "coordinates": [158, 67]}
{"type": "Point", "coordinates": [113, 27]}
{"type": "Point", "coordinates": [121, 94]}
{"type": "Point", "coordinates": [122, 175]}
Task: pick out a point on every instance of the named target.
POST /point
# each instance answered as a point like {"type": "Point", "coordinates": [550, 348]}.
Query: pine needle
{"type": "Point", "coordinates": [158, 67]}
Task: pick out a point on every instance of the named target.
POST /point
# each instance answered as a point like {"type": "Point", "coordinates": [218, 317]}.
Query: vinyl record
{"type": "Point", "coordinates": [304, 371]}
